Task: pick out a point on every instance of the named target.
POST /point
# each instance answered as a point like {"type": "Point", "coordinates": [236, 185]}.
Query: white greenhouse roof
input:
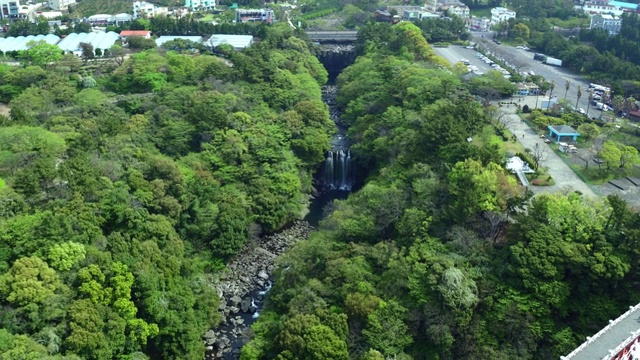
{"type": "Point", "coordinates": [237, 41]}
{"type": "Point", "coordinates": [20, 42]}
{"type": "Point", "coordinates": [97, 17]}
{"type": "Point", "coordinates": [122, 17]}
{"type": "Point", "coordinates": [101, 40]}
{"type": "Point", "coordinates": [163, 39]}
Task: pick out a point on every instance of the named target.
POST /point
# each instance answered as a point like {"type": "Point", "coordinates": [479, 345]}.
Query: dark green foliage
{"type": "Point", "coordinates": [113, 210]}
{"type": "Point", "coordinates": [434, 257]}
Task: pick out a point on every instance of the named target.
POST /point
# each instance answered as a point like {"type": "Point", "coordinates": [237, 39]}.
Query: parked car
{"type": "Point", "coordinates": [581, 111]}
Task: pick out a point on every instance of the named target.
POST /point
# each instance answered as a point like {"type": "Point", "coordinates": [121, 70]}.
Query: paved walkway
{"type": "Point", "coordinates": [566, 180]}
{"type": "Point", "coordinates": [609, 338]}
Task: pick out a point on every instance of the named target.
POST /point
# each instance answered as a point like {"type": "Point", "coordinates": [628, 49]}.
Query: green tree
{"type": "Point", "coordinates": [40, 53]}
{"type": "Point", "coordinates": [589, 131]}
{"type": "Point", "coordinates": [29, 281]}
{"type": "Point", "coordinates": [386, 330]}
{"type": "Point", "coordinates": [64, 256]}
{"type": "Point", "coordinates": [520, 30]}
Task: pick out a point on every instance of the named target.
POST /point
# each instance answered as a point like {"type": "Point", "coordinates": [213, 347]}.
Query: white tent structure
{"type": "Point", "coordinates": [21, 42]}
{"type": "Point", "coordinates": [102, 41]}
{"type": "Point", "coordinates": [238, 42]}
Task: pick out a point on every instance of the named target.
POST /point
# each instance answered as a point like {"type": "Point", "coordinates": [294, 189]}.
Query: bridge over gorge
{"type": "Point", "coordinates": [327, 37]}
{"type": "Point", "coordinates": [619, 340]}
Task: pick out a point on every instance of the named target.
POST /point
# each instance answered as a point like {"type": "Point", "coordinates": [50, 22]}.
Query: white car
{"type": "Point", "coordinates": [525, 48]}
{"type": "Point", "coordinates": [469, 47]}
{"type": "Point", "coordinates": [581, 111]}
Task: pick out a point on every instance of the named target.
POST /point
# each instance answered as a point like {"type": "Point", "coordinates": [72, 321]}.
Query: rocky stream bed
{"type": "Point", "coordinates": [243, 287]}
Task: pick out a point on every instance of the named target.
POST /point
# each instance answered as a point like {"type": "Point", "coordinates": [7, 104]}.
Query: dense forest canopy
{"type": "Point", "coordinates": [125, 189]}
{"type": "Point", "coordinates": [441, 254]}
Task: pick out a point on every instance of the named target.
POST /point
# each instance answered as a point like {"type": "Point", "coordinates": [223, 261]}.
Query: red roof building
{"type": "Point", "coordinates": [142, 33]}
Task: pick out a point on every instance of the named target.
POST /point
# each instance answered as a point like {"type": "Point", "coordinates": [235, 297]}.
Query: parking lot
{"type": "Point", "coordinates": [523, 59]}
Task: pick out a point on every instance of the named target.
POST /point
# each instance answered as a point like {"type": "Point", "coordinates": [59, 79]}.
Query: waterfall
{"type": "Point", "coordinates": [338, 170]}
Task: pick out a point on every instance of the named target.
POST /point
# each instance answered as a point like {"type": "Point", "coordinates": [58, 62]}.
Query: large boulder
{"type": "Point", "coordinates": [234, 301]}
{"type": "Point", "coordinates": [245, 304]}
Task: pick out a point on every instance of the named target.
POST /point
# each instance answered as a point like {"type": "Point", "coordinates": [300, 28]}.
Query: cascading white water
{"type": "Point", "coordinates": [338, 170]}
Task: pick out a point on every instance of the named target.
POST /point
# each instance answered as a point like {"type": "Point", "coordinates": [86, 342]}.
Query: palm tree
{"type": "Point", "coordinates": [618, 102]}
{"type": "Point", "coordinates": [553, 85]}
{"type": "Point", "coordinates": [590, 99]}
{"type": "Point", "coordinates": [579, 95]}
{"type": "Point", "coordinates": [567, 85]}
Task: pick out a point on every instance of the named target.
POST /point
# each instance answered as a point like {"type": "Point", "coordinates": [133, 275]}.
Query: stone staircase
{"type": "Point", "coordinates": [522, 177]}
{"type": "Point", "coordinates": [625, 183]}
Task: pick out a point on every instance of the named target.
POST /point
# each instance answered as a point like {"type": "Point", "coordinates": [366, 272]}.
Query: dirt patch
{"type": "Point", "coordinates": [4, 109]}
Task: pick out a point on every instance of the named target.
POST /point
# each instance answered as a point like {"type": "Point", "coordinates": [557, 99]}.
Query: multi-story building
{"type": "Point", "coordinates": [198, 5]}
{"type": "Point", "coordinates": [60, 4]}
{"type": "Point", "coordinates": [10, 9]}
{"type": "Point", "coordinates": [459, 10]}
{"type": "Point", "coordinates": [480, 24]}
{"type": "Point", "coordinates": [500, 14]}
{"type": "Point", "coordinates": [609, 23]}
{"type": "Point", "coordinates": [255, 15]}
{"type": "Point", "coordinates": [601, 7]}
{"type": "Point", "coordinates": [143, 8]}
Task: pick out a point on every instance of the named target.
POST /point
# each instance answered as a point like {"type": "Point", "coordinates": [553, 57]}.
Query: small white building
{"type": "Point", "coordinates": [459, 10]}
{"type": "Point", "coordinates": [143, 8]}
{"type": "Point", "coordinates": [500, 14]}
{"type": "Point", "coordinates": [610, 23]}
{"type": "Point", "coordinates": [480, 24]}
{"type": "Point", "coordinates": [60, 4]}
{"type": "Point", "coordinates": [199, 5]}
{"type": "Point", "coordinates": [9, 9]}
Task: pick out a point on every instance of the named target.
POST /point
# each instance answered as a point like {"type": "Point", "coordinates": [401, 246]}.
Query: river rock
{"type": "Point", "coordinates": [249, 272]}
{"type": "Point", "coordinates": [263, 275]}
{"type": "Point", "coordinates": [245, 305]}
{"type": "Point", "coordinates": [235, 301]}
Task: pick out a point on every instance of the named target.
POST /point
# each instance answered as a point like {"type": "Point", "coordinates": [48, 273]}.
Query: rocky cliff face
{"type": "Point", "coordinates": [242, 289]}
{"type": "Point", "coordinates": [336, 58]}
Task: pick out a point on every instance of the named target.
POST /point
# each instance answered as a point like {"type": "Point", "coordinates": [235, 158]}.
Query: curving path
{"type": "Point", "coordinates": [566, 180]}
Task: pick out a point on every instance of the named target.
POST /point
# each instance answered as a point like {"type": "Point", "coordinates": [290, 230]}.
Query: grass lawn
{"type": "Point", "coordinates": [489, 137]}
{"type": "Point", "coordinates": [486, 12]}
{"type": "Point", "coordinates": [595, 175]}
{"type": "Point", "coordinates": [208, 17]}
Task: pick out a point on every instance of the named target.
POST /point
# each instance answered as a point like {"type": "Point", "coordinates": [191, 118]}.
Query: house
{"type": "Point", "coordinates": [480, 24]}
{"type": "Point", "coordinates": [459, 10]}
{"type": "Point", "coordinates": [500, 14]}
{"type": "Point", "coordinates": [199, 5]}
{"type": "Point", "coordinates": [408, 15]}
{"type": "Point", "coordinates": [563, 133]}
{"type": "Point", "coordinates": [255, 15]}
{"type": "Point", "coordinates": [610, 23]}
{"type": "Point", "coordinates": [60, 4]}
{"type": "Point", "coordinates": [98, 19]}
{"type": "Point", "coordinates": [141, 33]}
{"type": "Point", "coordinates": [428, 15]}
{"type": "Point", "coordinates": [238, 42]}
{"type": "Point", "coordinates": [10, 9]}
{"type": "Point", "coordinates": [634, 115]}
{"type": "Point", "coordinates": [149, 10]}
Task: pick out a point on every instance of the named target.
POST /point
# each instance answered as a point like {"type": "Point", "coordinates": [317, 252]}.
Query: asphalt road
{"type": "Point", "coordinates": [525, 59]}
{"type": "Point", "coordinates": [456, 53]}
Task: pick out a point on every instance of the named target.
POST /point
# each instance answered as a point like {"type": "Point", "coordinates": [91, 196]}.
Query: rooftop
{"type": "Point", "coordinates": [622, 4]}
{"type": "Point", "coordinates": [20, 42]}
{"type": "Point", "coordinates": [563, 129]}
{"type": "Point", "coordinates": [237, 41]}
{"type": "Point", "coordinates": [135, 33]}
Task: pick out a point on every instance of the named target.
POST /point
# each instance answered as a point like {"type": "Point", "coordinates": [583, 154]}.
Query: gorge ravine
{"type": "Point", "coordinates": [245, 283]}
